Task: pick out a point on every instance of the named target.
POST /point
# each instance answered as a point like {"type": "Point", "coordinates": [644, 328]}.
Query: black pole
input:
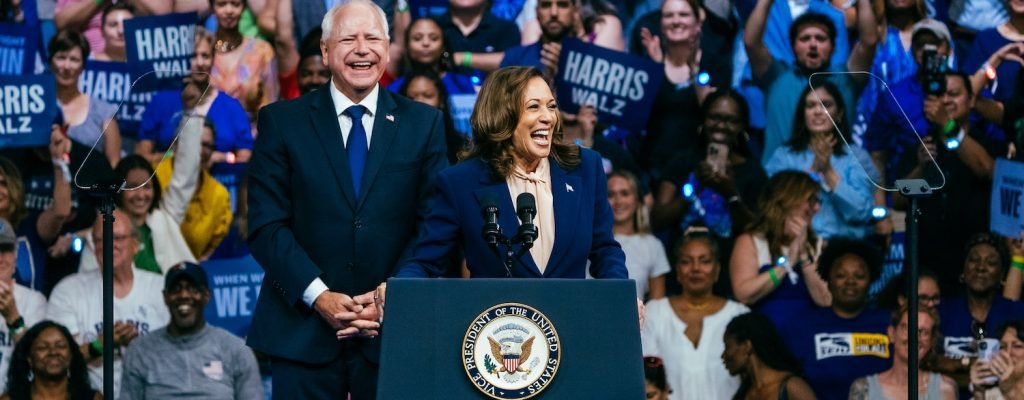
{"type": "Point", "coordinates": [108, 297]}
{"type": "Point", "coordinates": [912, 189]}
{"type": "Point", "coordinates": [105, 188]}
{"type": "Point", "coordinates": [912, 301]}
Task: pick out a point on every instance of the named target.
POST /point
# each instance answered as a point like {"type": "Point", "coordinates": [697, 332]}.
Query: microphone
{"type": "Point", "coordinates": [526, 208]}
{"type": "Point", "coordinates": [491, 229]}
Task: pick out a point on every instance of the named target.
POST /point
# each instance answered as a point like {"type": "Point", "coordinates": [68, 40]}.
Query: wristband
{"type": "Point", "coordinates": [63, 165]}
{"type": "Point", "coordinates": [17, 324]}
{"type": "Point", "coordinates": [95, 349]}
{"type": "Point", "coordinates": [950, 126]}
{"type": "Point", "coordinates": [466, 57]}
{"type": "Point", "coordinates": [771, 274]}
{"type": "Point", "coordinates": [1017, 262]}
{"type": "Point", "coordinates": [990, 72]}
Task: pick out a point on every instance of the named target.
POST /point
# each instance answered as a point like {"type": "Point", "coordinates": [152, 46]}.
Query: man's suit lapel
{"type": "Point", "coordinates": [566, 201]}
{"type": "Point", "coordinates": [325, 123]}
{"type": "Point", "coordinates": [509, 222]}
{"type": "Point", "coordinates": [385, 129]}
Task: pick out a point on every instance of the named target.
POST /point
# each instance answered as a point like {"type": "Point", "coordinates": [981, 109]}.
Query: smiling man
{"type": "Point", "coordinates": [189, 359]}
{"type": "Point", "coordinates": [337, 183]}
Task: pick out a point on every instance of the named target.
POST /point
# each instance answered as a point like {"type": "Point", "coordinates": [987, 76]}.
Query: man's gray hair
{"type": "Point", "coordinates": [327, 25]}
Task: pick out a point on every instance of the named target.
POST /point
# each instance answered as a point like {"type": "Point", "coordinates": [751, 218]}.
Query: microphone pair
{"type": "Point", "coordinates": [526, 209]}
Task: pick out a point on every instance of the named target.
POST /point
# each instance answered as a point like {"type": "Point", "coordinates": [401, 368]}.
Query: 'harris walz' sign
{"type": "Point", "coordinates": [17, 49]}
{"type": "Point", "coordinates": [162, 45]}
{"type": "Point", "coordinates": [110, 81]}
{"type": "Point", "coordinates": [28, 107]}
{"type": "Point", "coordinates": [619, 85]}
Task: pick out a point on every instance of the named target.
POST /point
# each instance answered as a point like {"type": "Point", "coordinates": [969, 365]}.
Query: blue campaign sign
{"type": "Point", "coordinates": [1007, 214]}
{"type": "Point", "coordinates": [162, 45]}
{"type": "Point", "coordinates": [111, 82]}
{"type": "Point", "coordinates": [620, 86]}
{"type": "Point", "coordinates": [234, 285]}
{"type": "Point", "coordinates": [427, 8]}
{"type": "Point", "coordinates": [28, 106]}
{"type": "Point", "coordinates": [18, 48]}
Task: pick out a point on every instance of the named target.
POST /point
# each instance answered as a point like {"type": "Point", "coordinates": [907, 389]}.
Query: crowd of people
{"type": "Point", "coordinates": [754, 210]}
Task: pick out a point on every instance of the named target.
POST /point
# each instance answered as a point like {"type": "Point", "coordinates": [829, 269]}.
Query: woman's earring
{"type": "Point", "coordinates": [31, 376]}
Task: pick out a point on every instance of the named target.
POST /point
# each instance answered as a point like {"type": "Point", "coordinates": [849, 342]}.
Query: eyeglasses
{"type": "Point", "coordinates": [929, 300]}
{"type": "Point", "coordinates": [652, 362]}
{"type": "Point", "coordinates": [904, 329]}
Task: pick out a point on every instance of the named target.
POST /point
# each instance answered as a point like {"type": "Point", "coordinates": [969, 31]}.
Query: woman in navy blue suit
{"type": "Point", "coordinates": [518, 149]}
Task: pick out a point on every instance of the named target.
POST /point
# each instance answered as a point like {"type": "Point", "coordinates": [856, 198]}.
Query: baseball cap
{"type": "Point", "coordinates": [934, 26]}
{"type": "Point", "coordinates": [7, 236]}
{"type": "Point", "coordinates": [186, 270]}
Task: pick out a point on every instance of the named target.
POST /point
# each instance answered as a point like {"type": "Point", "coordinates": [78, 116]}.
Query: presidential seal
{"type": "Point", "coordinates": [511, 351]}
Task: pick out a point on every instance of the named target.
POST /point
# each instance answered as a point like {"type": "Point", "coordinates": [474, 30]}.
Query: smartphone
{"type": "Point", "coordinates": [718, 156]}
{"type": "Point", "coordinates": [987, 348]}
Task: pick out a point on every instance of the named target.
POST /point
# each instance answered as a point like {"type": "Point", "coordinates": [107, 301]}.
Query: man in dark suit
{"type": "Point", "coordinates": [336, 187]}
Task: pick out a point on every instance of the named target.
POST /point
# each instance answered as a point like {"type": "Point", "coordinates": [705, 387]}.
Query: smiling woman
{"type": "Point", "coordinates": [85, 117]}
{"type": "Point", "coordinates": [686, 330]}
{"type": "Point", "coordinates": [518, 150]}
{"type": "Point", "coordinates": [45, 358]}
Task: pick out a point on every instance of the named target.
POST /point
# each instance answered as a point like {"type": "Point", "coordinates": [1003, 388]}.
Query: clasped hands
{"type": "Point", "coordinates": [352, 317]}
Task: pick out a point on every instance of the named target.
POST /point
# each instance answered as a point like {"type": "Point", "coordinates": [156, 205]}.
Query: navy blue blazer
{"type": "Point", "coordinates": [305, 220]}
{"type": "Point", "coordinates": [583, 224]}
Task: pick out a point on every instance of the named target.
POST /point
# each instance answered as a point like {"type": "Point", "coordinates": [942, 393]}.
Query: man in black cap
{"type": "Point", "coordinates": [20, 306]}
{"type": "Point", "coordinates": [188, 358]}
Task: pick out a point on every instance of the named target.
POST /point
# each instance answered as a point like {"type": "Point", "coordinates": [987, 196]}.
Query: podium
{"type": "Point", "coordinates": [511, 339]}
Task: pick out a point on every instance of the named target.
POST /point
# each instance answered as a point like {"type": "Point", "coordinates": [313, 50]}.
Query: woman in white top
{"type": "Point", "coordinates": [686, 330]}
{"type": "Point", "coordinates": [646, 260]}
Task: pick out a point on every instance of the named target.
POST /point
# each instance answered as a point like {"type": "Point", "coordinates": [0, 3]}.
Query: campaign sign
{"type": "Point", "coordinates": [18, 48]}
{"type": "Point", "coordinates": [162, 45]}
{"type": "Point", "coordinates": [28, 106]}
{"type": "Point", "coordinates": [234, 286]}
{"type": "Point", "coordinates": [427, 8]}
{"type": "Point", "coordinates": [620, 86]}
{"type": "Point", "coordinates": [1007, 214]}
{"type": "Point", "coordinates": [110, 81]}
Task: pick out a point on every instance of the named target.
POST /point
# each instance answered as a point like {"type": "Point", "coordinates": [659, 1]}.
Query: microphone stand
{"type": "Point", "coordinates": [106, 189]}
{"type": "Point", "coordinates": [912, 189]}
{"type": "Point", "coordinates": [510, 257]}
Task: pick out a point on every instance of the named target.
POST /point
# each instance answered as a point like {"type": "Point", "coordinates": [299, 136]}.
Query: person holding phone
{"type": "Point", "coordinates": [1002, 376]}
{"type": "Point", "coordinates": [719, 188]}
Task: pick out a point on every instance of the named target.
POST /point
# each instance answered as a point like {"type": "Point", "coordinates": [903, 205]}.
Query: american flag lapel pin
{"type": "Point", "coordinates": [390, 117]}
{"type": "Point", "coordinates": [568, 187]}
